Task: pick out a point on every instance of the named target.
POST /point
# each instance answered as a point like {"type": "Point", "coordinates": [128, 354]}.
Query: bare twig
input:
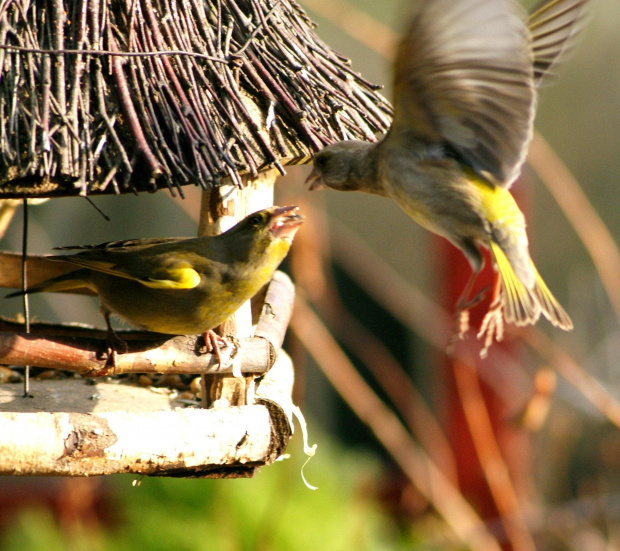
{"type": "Point", "coordinates": [166, 355]}
{"type": "Point", "coordinates": [581, 380]}
{"type": "Point", "coordinates": [111, 53]}
{"type": "Point", "coordinates": [130, 112]}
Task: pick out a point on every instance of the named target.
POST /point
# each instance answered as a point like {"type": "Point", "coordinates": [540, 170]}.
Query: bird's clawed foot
{"type": "Point", "coordinates": [492, 327]}
{"type": "Point", "coordinates": [214, 343]}
{"type": "Point", "coordinates": [462, 315]}
{"type": "Point", "coordinates": [114, 346]}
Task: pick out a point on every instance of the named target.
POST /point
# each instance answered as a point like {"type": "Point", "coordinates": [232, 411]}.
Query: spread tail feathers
{"type": "Point", "coordinates": [523, 306]}
{"type": "Point", "coordinates": [67, 282]}
{"type": "Point", "coordinates": [551, 308]}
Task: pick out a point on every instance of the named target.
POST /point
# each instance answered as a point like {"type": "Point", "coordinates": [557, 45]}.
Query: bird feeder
{"type": "Point", "coordinates": [117, 96]}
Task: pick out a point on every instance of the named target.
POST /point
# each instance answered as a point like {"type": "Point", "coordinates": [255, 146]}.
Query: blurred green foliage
{"type": "Point", "coordinates": [273, 511]}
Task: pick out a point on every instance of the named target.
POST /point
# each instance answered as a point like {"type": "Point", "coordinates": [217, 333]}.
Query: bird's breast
{"type": "Point", "coordinates": [438, 194]}
{"type": "Point", "coordinates": [171, 311]}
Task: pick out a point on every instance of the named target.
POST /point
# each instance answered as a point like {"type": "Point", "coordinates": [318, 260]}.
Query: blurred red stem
{"type": "Point", "coordinates": [490, 457]}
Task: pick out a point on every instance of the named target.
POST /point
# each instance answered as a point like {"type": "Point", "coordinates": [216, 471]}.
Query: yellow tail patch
{"type": "Point", "coordinates": [523, 306]}
{"type": "Point", "coordinates": [551, 308]}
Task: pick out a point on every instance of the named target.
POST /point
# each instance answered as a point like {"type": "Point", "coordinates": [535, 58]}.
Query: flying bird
{"type": "Point", "coordinates": [465, 90]}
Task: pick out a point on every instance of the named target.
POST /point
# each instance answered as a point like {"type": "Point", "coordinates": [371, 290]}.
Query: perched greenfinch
{"type": "Point", "coordinates": [465, 79]}
{"type": "Point", "coordinates": [181, 286]}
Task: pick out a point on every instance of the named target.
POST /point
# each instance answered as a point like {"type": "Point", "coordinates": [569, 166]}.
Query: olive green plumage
{"type": "Point", "coordinates": [182, 286]}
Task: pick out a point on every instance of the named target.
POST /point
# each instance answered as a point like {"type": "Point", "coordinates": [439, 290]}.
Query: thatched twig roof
{"type": "Point", "coordinates": [132, 95]}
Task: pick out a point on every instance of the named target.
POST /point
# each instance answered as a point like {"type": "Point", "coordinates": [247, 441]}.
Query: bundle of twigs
{"type": "Point", "coordinates": [131, 95]}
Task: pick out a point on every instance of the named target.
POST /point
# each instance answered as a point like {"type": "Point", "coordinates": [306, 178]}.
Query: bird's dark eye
{"type": "Point", "coordinates": [320, 162]}
{"type": "Point", "coordinates": [256, 220]}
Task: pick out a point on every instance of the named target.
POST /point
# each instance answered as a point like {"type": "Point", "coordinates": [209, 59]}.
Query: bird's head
{"type": "Point", "coordinates": [265, 235]}
{"type": "Point", "coordinates": [343, 166]}
{"type": "Point", "coordinates": [274, 223]}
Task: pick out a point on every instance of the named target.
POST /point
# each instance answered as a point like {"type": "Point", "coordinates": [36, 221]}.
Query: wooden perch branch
{"type": "Point", "coordinates": [174, 355]}
{"type": "Point", "coordinates": [277, 309]}
{"type": "Point", "coordinates": [38, 269]}
{"type": "Point", "coordinates": [79, 349]}
{"type": "Point", "coordinates": [73, 429]}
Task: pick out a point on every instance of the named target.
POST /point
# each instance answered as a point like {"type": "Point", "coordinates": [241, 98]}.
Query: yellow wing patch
{"type": "Point", "coordinates": [179, 278]}
{"type": "Point", "coordinates": [498, 203]}
{"type": "Point", "coordinates": [182, 277]}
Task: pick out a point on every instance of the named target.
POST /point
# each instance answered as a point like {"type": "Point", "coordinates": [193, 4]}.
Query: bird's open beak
{"type": "Point", "coordinates": [315, 180]}
{"type": "Point", "coordinates": [285, 222]}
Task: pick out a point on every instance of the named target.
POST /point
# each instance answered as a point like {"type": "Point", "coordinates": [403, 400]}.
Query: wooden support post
{"type": "Point", "coordinates": [221, 209]}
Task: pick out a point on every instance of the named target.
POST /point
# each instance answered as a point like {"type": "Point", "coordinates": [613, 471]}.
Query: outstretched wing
{"type": "Point", "coordinates": [463, 76]}
{"type": "Point", "coordinates": [553, 25]}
